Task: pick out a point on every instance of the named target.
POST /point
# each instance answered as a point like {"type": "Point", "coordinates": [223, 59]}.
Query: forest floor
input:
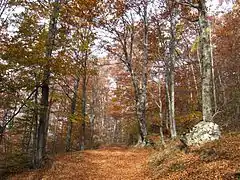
{"type": "Point", "coordinates": [107, 163]}
{"type": "Point", "coordinates": [218, 160]}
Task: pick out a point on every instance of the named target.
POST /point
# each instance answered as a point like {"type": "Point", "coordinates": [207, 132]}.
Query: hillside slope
{"type": "Point", "coordinates": [213, 161]}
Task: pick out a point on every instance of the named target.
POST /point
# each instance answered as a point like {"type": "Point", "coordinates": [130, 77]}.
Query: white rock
{"type": "Point", "coordinates": [201, 133]}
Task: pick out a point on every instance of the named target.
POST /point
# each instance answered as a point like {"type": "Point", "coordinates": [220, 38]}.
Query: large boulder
{"type": "Point", "coordinates": [201, 133]}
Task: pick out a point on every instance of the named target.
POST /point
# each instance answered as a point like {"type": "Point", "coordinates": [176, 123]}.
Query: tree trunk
{"type": "Point", "coordinates": [84, 101]}
{"type": "Point", "coordinates": [92, 119]}
{"type": "Point", "coordinates": [139, 82]}
{"type": "Point", "coordinates": [141, 111]}
{"type": "Point", "coordinates": [159, 104]}
{"type": "Point", "coordinates": [171, 71]}
{"type": "Point", "coordinates": [55, 137]}
{"type": "Point", "coordinates": [222, 86]}
{"type": "Point", "coordinates": [205, 57]}
{"type": "Point", "coordinates": [43, 119]}
{"type": "Point", "coordinates": [35, 133]}
{"type": "Point", "coordinates": [73, 109]}
{"type": "Point", "coordinates": [141, 116]}
{"type": "Point", "coordinates": [92, 113]}
{"type": "Point", "coordinates": [167, 121]}
{"type": "Point", "coordinates": [194, 80]}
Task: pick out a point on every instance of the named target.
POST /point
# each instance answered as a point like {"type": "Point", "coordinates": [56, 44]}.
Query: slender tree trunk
{"type": "Point", "coordinates": [41, 141]}
{"type": "Point", "coordinates": [169, 102]}
{"type": "Point", "coordinates": [172, 57]}
{"type": "Point", "coordinates": [139, 82]}
{"type": "Point", "coordinates": [1, 134]}
{"type": "Point", "coordinates": [167, 98]}
{"type": "Point", "coordinates": [30, 133]}
{"type": "Point", "coordinates": [83, 117]}
{"type": "Point", "coordinates": [222, 88]}
{"type": "Point", "coordinates": [35, 129]}
{"type": "Point", "coordinates": [27, 136]}
{"type": "Point", "coordinates": [189, 89]}
{"type": "Point", "coordinates": [92, 113]}
{"type": "Point", "coordinates": [205, 50]}
{"type": "Point", "coordinates": [43, 119]}
{"type": "Point", "coordinates": [143, 86]}
{"type": "Point", "coordinates": [159, 104]}
{"type": "Point", "coordinates": [84, 101]}
{"type": "Point", "coordinates": [55, 137]}
{"type": "Point", "coordinates": [24, 138]}
{"type": "Point", "coordinates": [73, 109]}
{"type": "Point", "coordinates": [172, 108]}
{"type": "Point", "coordinates": [141, 115]}
{"type": "Point", "coordinates": [194, 80]}
{"type": "Point", "coordinates": [92, 120]}
{"type": "Point", "coordinates": [140, 85]}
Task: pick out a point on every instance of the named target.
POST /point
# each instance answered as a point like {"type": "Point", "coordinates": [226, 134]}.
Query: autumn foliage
{"type": "Point", "coordinates": [78, 75]}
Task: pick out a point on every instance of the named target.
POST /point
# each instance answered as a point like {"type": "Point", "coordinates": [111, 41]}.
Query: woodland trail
{"type": "Point", "coordinates": [110, 163]}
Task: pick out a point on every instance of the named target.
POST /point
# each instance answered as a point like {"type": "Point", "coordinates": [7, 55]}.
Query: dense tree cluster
{"type": "Point", "coordinates": [77, 74]}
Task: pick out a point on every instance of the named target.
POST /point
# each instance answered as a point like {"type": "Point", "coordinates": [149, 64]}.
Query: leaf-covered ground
{"type": "Point", "coordinates": [218, 160]}
{"type": "Point", "coordinates": [110, 163]}
{"type": "Point", "coordinates": [213, 161]}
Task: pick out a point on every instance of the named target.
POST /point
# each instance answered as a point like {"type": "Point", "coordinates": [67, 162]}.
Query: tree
{"type": "Point", "coordinates": [44, 119]}
{"type": "Point", "coordinates": [170, 68]}
{"type": "Point", "coordinates": [205, 57]}
{"type": "Point", "coordinates": [206, 60]}
{"type": "Point", "coordinates": [125, 41]}
{"type": "Point", "coordinates": [226, 45]}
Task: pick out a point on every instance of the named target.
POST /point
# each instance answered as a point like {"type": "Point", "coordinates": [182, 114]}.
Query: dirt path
{"type": "Point", "coordinates": [114, 163]}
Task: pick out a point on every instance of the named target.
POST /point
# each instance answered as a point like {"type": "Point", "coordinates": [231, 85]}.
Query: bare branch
{"type": "Point", "coordinates": [185, 3]}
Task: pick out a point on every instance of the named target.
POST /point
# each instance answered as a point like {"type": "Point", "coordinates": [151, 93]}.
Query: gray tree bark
{"type": "Point", "coordinates": [171, 68]}
{"type": "Point", "coordinates": [206, 59]}
{"type": "Point", "coordinates": [143, 86]}
{"type": "Point", "coordinates": [126, 39]}
{"type": "Point", "coordinates": [159, 103]}
{"type": "Point", "coordinates": [43, 118]}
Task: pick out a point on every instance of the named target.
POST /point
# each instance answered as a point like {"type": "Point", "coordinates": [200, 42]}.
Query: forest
{"type": "Point", "coordinates": [119, 89]}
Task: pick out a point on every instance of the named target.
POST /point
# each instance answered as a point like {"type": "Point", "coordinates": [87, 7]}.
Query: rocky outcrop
{"type": "Point", "coordinates": [201, 133]}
